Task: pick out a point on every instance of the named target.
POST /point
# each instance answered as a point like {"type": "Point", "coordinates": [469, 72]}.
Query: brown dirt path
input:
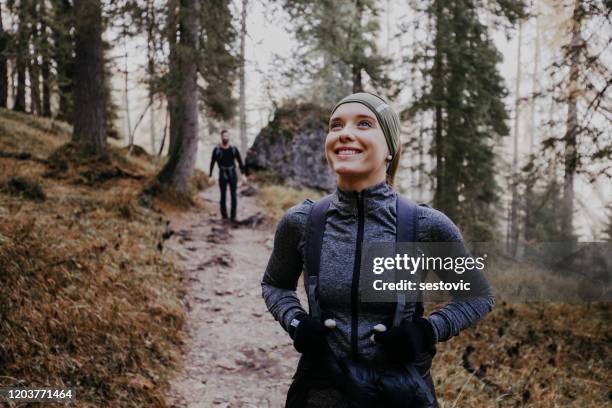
{"type": "Point", "coordinates": [236, 355]}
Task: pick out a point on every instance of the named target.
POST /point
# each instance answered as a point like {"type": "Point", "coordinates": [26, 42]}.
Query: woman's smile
{"type": "Point", "coordinates": [347, 152]}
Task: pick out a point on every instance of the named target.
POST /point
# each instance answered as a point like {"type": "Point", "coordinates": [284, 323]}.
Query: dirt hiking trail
{"type": "Point", "coordinates": [235, 354]}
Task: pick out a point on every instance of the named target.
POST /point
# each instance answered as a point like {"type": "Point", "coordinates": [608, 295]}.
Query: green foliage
{"type": "Point", "coordinates": [464, 91]}
{"type": "Point", "coordinates": [337, 45]}
{"type": "Point", "coordinates": [218, 64]}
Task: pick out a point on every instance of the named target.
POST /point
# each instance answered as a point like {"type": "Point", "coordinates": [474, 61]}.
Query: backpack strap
{"type": "Point", "coordinates": [405, 231]}
{"type": "Point", "coordinates": [314, 242]}
{"type": "Point", "coordinates": [218, 153]}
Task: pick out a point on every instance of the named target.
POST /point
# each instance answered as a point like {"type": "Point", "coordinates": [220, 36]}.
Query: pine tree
{"type": "Point", "coordinates": [21, 48]}
{"type": "Point", "coordinates": [513, 219]}
{"type": "Point", "coordinates": [582, 141]}
{"type": "Point", "coordinates": [337, 47]}
{"type": "Point", "coordinates": [45, 54]}
{"type": "Point", "coordinates": [32, 64]}
{"type": "Point", "coordinates": [3, 64]}
{"type": "Point", "coordinates": [89, 106]}
{"type": "Point", "coordinates": [464, 93]}
{"type": "Point", "coordinates": [242, 75]}
{"type": "Point", "coordinates": [182, 104]}
{"type": "Point", "coordinates": [217, 62]}
{"type": "Point", "coordinates": [62, 52]}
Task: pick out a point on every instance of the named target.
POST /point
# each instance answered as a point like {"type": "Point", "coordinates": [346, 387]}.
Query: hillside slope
{"type": "Point", "coordinates": [88, 298]}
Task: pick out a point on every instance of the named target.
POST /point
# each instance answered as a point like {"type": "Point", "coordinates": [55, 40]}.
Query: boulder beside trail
{"type": "Point", "coordinates": [292, 146]}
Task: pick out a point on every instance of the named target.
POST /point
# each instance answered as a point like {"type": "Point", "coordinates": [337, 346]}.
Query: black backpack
{"type": "Point", "coordinates": [219, 152]}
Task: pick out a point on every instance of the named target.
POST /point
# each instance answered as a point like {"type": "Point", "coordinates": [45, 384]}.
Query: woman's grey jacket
{"type": "Point", "coordinates": [354, 219]}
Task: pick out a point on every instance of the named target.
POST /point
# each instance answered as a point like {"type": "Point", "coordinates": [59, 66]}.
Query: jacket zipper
{"type": "Point", "coordinates": [355, 280]}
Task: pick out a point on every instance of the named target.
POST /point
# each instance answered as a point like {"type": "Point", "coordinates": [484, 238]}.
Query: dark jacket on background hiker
{"type": "Point", "coordinates": [226, 158]}
{"type": "Point", "coordinates": [355, 320]}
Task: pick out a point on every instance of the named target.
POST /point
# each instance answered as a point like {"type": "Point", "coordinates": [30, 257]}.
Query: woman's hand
{"type": "Point", "coordinates": [309, 335]}
{"type": "Point", "coordinates": [408, 340]}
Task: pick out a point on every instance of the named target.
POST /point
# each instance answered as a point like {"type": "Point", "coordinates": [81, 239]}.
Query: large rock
{"type": "Point", "coordinates": [292, 145]}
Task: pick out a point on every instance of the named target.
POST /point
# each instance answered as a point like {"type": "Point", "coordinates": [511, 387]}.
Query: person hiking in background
{"type": "Point", "coordinates": [225, 155]}
{"type": "Point", "coordinates": [348, 358]}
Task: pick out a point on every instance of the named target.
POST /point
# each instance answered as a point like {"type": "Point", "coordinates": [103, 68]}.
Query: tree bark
{"type": "Point", "coordinates": [151, 71]}
{"type": "Point", "coordinates": [528, 224]}
{"type": "Point", "coordinates": [173, 63]}
{"type": "Point", "coordinates": [438, 95]}
{"type": "Point", "coordinates": [63, 48]}
{"type": "Point", "coordinates": [20, 59]}
{"type": "Point", "coordinates": [571, 156]}
{"type": "Point", "coordinates": [34, 75]}
{"type": "Point", "coordinates": [33, 66]}
{"type": "Point", "coordinates": [3, 65]}
{"type": "Point", "coordinates": [45, 65]}
{"type": "Point", "coordinates": [128, 121]}
{"type": "Point", "coordinates": [243, 32]}
{"type": "Point", "coordinates": [184, 114]}
{"type": "Point", "coordinates": [89, 113]}
{"type": "Point", "coordinates": [357, 66]}
{"type": "Point", "coordinates": [513, 223]}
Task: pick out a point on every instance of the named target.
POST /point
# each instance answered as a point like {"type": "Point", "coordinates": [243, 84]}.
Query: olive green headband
{"type": "Point", "coordinates": [387, 118]}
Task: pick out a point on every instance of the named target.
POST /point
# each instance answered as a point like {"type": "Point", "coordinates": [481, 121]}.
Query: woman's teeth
{"type": "Point", "coordinates": [348, 152]}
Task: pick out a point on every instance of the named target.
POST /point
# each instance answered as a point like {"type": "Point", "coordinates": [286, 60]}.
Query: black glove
{"type": "Point", "coordinates": [309, 335]}
{"type": "Point", "coordinates": [408, 340]}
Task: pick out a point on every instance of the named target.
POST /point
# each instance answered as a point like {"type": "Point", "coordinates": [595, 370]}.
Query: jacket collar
{"type": "Point", "coordinates": [378, 195]}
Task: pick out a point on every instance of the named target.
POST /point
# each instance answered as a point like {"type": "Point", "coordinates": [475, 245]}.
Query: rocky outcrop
{"type": "Point", "coordinates": [292, 145]}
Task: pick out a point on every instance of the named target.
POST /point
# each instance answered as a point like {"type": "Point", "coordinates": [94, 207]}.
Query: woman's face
{"type": "Point", "coordinates": [355, 146]}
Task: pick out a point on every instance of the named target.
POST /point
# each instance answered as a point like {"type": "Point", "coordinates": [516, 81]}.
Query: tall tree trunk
{"type": "Point", "coordinates": [89, 107]}
{"type": "Point", "coordinates": [63, 48]}
{"type": "Point", "coordinates": [151, 70]}
{"type": "Point", "coordinates": [535, 90]}
{"type": "Point", "coordinates": [571, 156]}
{"type": "Point", "coordinates": [45, 64]}
{"type": "Point", "coordinates": [513, 222]}
{"type": "Point", "coordinates": [3, 65]}
{"type": "Point", "coordinates": [21, 57]}
{"type": "Point", "coordinates": [128, 121]}
{"type": "Point", "coordinates": [243, 32]}
{"type": "Point", "coordinates": [357, 67]}
{"type": "Point", "coordinates": [184, 114]}
{"type": "Point", "coordinates": [357, 79]}
{"type": "Point", "coordinates": [437, 91]}
{"type": "Point", "coordinates": [34, 75]}
{"type": "Point", "coordinates": [32, 64]}
{"type": "Point", "coordinates": [173, 63]}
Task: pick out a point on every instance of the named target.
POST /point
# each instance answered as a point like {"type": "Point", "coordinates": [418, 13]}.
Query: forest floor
{"type": "Point", "coordinates": [236, 355]}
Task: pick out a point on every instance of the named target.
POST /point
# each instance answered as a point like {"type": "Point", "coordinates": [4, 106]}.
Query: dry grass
{"type": "Point", "coordinates": [88, 300]}
{"type": "Point", "coordinates": [277, 199]}
{"type": "Point", "coordinates": [529, 355]}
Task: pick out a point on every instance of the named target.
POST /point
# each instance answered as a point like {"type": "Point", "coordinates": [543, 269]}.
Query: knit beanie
{"type": "Point", "coordinates": [387, 118]}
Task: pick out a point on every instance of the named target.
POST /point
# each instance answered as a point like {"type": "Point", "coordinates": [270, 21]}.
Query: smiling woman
{"type": "Point", "coordinates": [355, 352]}
{"type": "Point", "coordinates": [357, 147]}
